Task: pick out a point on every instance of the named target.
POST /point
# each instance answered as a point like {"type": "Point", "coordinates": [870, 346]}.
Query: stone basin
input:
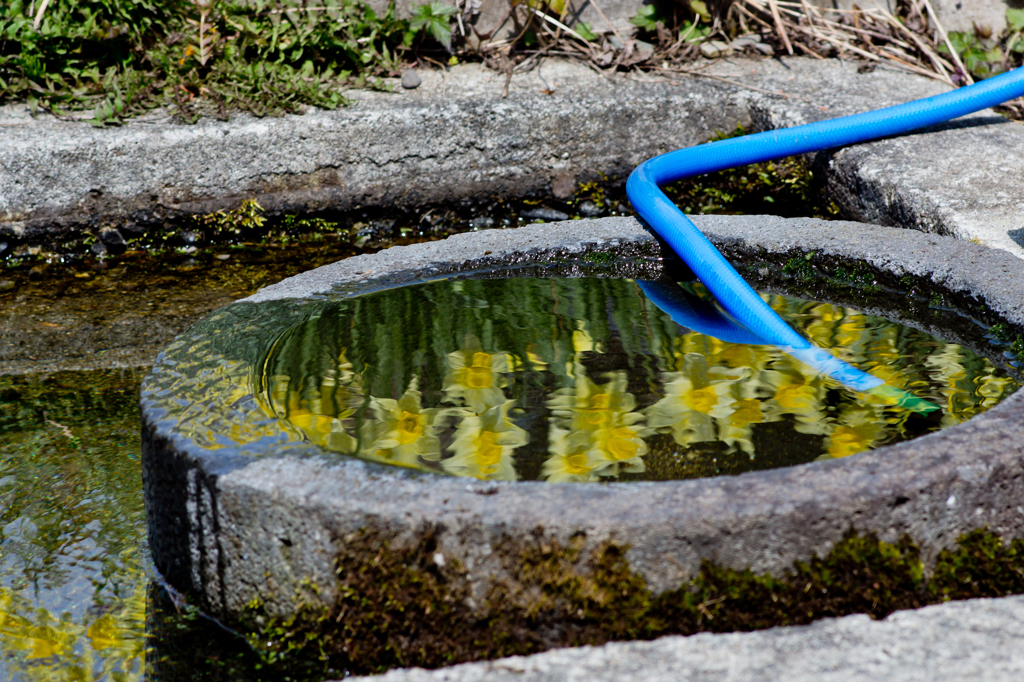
{"type": "Point", "coordinates": [255, 527]}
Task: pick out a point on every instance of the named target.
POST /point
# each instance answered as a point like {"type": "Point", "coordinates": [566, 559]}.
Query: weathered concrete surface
{"type": "Point", "coordinates": [228, 528]}
{"type": "Point", "coordinates": [455, 139]}
{"type": "Point", "coordinates": [964, 15]}
{"type": "Point", "coordinates": [954, 15]}
{"type": "Point", "coordinates": [492, 18]}
{"type": "Point", "coordinates": [979, 639]}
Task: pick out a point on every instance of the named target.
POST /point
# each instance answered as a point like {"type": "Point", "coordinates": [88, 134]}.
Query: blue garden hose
{"type": "Point", "coordinates": [736, 296]}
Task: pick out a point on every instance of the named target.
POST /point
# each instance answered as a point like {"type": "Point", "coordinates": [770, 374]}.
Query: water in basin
{"type": "Point", "coordinates": [586, 380]}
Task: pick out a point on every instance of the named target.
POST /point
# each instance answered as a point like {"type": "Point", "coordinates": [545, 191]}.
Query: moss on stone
{"type": "Point", "coordinates": [402, 603]}
{"type": "Point", "coordinates": [982, 566]}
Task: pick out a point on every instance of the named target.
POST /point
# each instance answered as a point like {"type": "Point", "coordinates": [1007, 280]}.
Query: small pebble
{"type": "Point", "coordinates": [222, 256]}
{"type": "Point", "coordinates": [544, 214]}
{"type": "Point", "coordinates": [748, 40]}
{"type": "Point", "coordinates": [111, 237]}
{"type": "Point", "coordinates": [411, 80]}
{"type": "Point", "coordinates": [715, 48]}
{"type": "Point", "coordinates": [6, 285]}
{"type": "Point", "coordinates": [765, 49]}
{"type": "Point", "coordinates": [482, 223]}
{"type": "Point", "coordinates": [588, 209]}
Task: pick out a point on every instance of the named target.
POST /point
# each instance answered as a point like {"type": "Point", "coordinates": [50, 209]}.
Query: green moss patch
{"type": "Point", "coordinates": [404, 604]}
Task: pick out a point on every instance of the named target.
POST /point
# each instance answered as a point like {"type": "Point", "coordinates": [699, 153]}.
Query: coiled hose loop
{"type": "Point", "coordinates": [736, 296]}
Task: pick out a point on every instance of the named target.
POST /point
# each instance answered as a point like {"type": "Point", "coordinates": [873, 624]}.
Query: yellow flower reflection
{"type": "Point", "coordinates": [320, 407]}
{"type": "Point", "coordinates": [602, 418]}
{"type": "Point", "coordinates": [484, 445]}
{"type": "Point", "coordinates": [570, 459]}
{"type": "Point", "coordinates": [796, 393]}
{"type": "Point", "coordinates": [403, 431]}
{"type": "Point", "coordinates": [858, 428]}
{"type": "Point", "coordinates": [694, 399]}
{"type": "Point", "coordinates": [45, 647]}
{"type": "Point", "coordinates": [475, 377]}
{"type": "Point", "coordinates": [736, 430]}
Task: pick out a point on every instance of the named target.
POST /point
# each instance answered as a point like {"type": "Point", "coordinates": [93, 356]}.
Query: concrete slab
{"type": "Point", "coordinates": [979, 639]}
{"type": "Point", "coordinates": [455, 139]}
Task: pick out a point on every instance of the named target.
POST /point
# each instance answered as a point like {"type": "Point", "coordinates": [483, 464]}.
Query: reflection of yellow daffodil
{"type": "Point", "coordinates": [403, 431]}
{"type": "Point", "coordinates": [694, 398]}
{"type": "Point", "coordinates": [103, 633]}
{"type": "Point", "coordinates": [484, 445]}
{"type": "Point", "coordinates": [41, 646]}
{"type": "Point", "coordinates": [476, 377]}
{"type": "Point", "coordinates": [857, 429]}
{"type": "Point", "coordinates": [603, 417]}
{"type": "Point", "coordinates": [946, 368]}
{"type": "Point", "coordinates": [735, 430]}
{"type": "Point", "coordinates": [570, 458]}
{"type": "Point", "coordinates": [797, 395]}
{"type": "Point", "coordinates": [320, 407]}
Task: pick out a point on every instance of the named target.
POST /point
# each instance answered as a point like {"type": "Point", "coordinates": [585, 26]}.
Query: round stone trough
{"type": "Point", "coordinates": [256, 525]}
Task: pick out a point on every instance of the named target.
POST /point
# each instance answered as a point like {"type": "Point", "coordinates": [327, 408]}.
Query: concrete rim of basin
{"type": "Point", "coordinates": [266, 520]}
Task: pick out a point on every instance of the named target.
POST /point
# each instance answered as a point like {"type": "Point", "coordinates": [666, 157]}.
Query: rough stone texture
{"type": "Point", "coordinates": [964, 15]}
{"type": "Point", "coordinates": [454, 138]}
{"type": "Point", "coordinates": [227, 528]}
{"type": "Point", "coordinates": [954, 15]}
{"type": "Point", "coordinates": [492, 18]}
{"type": "Point", "coordinates": [977, 639]}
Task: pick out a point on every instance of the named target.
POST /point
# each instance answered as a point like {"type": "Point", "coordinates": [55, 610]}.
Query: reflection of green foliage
{"type": "Point", "coordinates": [72, 508]}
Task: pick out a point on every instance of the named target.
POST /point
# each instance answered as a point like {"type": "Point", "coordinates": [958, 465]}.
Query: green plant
{"type": "Point", "coordinates": [434, 18]}
{"type": "Point", "coordinates": [1015, 25]}
{"type": "Point", "coordinates": [800, 266]}
{"type": "Point", "coordinates": [981, 57]}
{"type": "Point", "coordinates": [585, 31]}
{"type": "Point", "coordinates": [646, 18]}
{"type": "Point", "coordinates": [206, 35]}
{"type": "Point", "coordinates": [122, 57]}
